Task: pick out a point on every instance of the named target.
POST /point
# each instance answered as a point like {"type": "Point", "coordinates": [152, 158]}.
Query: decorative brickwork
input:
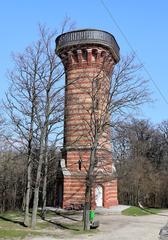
{"type": "Point", "coordinates": [88, 62]}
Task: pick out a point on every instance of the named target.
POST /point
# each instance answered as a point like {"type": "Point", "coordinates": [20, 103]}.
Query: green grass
{"type": "Point", "coordinates": [6, 233]}
{"type": "Point", "coordinates": [12, 214]}
{"type": "Point", "coordinates": [135, 211]}
{"type": "Point", "coordinates": [11, 227]}
{"type": "Point", "coordinates": [16, 233]}
{"type": "Point", "coordinates": [43, 224]}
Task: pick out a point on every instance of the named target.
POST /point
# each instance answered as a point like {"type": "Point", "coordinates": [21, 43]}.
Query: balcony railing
{"type": "Point", "coordinates": [87, 36]}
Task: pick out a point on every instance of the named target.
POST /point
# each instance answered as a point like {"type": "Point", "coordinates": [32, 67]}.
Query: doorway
{"type": "Point", "coordinates": [99, 196]}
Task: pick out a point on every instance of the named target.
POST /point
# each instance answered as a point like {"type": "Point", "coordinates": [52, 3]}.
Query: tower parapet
{"type": "Point", "coordinates": [87, 47]}
{"type": "Point", "coordinates": [85, 38]}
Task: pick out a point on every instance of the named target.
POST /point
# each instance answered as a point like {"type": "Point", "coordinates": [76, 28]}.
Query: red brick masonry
{"type": "Point", "coordinates": [88, 68]}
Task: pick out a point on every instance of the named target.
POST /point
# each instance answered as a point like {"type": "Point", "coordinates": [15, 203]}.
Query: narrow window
{"type": "Point", "coordinates": [80, 164]}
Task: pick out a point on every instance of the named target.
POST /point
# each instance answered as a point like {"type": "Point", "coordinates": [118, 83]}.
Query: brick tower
{"type": "Point", "coordinates": [89, 57]}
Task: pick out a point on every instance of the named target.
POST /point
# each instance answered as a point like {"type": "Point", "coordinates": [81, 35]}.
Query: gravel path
{"type": "Point", "coordinates": [118, 227]}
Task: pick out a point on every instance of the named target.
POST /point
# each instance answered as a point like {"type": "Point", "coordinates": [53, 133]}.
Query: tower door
{"type": "Point", "coordinates": [59, 198]}
{"type": "Point", "coordinates": [99, 196]}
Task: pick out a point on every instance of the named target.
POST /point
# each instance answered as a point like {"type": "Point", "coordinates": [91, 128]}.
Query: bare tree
{"type": "Point", "coordinates": [48, 113]}
{"type": "Point", "coordinates": [20, 103]}
{"type": "Point", "coordinates": [34, 107]}
{"type": "Point", "coordinates": [129, 90]}
{"type": "Point", "coordinates": [139, 156]}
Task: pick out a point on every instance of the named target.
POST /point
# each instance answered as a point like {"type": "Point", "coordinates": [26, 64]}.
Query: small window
{"type": "Point", "coordinates": [80, 164]}
{"type": "Point", "coordinates": [84, 54]}
{"type": "Point", "coordinates": [94, 54]}
{"type": "Point", "coordinates": [97, 104]}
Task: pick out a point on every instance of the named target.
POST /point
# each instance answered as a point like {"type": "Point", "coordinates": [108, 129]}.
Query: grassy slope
{"type": "Point", "coordinates": [135, 211]}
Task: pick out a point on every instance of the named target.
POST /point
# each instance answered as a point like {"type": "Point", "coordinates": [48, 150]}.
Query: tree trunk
{"type": "Point", "coordinates": [46, 133]}
{"type": "Point", "coordinates": [27, 197]}
{"type": "Point", "coordinates": [37, 184]}
{"type": "Point", "coordinates": [87, 209]}
{"type": "Point", "coordinates": [43, 213]}
{"type": "Point", "coordinates": [29, 169]}
{"type": "Point", "coordinates": [89, 183]}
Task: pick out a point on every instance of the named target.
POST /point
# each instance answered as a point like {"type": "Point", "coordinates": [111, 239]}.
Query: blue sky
{"type": "Point", "coordinates": [143, 22]}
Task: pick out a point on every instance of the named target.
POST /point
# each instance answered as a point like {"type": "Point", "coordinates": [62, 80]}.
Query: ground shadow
{"type": "Point", "coordinates": [62, 226]}
{"type": "Point", "coordinates": [68, 217]}
{"type": "Point", "coordinates": [13, 221]}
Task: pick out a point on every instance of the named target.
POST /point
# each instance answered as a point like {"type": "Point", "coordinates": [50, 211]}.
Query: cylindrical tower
{"type": "Point", "coordinates": [88, 56]}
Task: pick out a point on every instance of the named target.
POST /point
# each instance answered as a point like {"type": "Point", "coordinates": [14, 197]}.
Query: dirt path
{"type": "Point", "coordinates": [118, 227]}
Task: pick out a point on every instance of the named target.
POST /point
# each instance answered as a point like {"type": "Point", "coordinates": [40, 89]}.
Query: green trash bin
{"type": "Point", "coordinates": [92, 215]}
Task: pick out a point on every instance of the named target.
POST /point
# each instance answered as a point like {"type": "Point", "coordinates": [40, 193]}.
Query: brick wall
{"type": "Point", "coordinates": [87, 82]}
